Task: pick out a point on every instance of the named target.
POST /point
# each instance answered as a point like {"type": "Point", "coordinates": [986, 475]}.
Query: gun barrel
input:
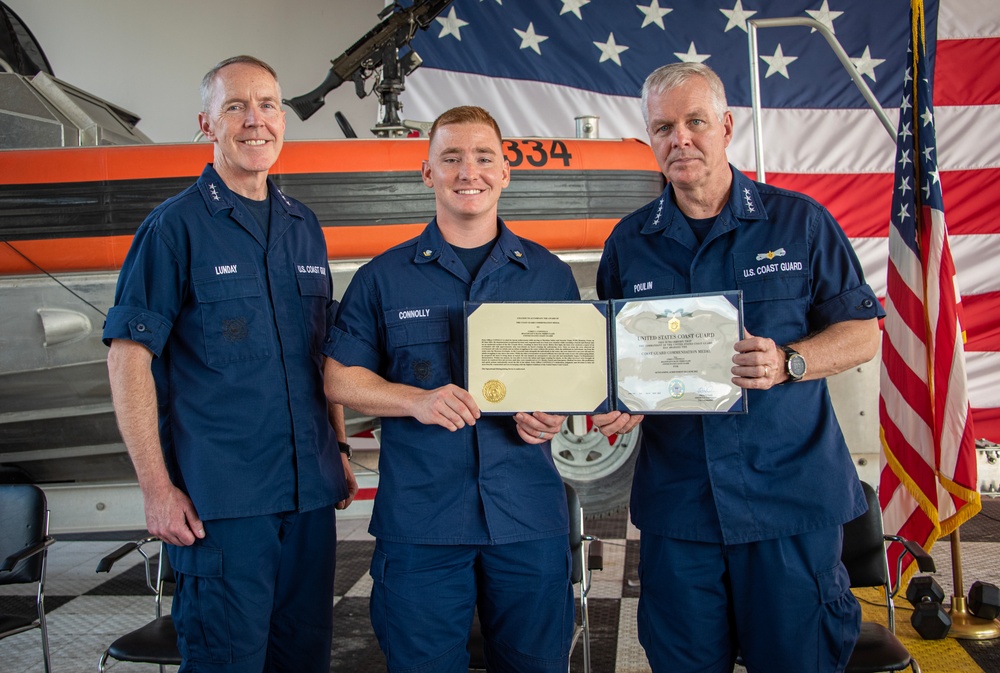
{"type": "Point", "coordinates": [306, 105]}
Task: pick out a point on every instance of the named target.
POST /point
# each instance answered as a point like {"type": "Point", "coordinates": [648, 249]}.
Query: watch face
{"type": "Point", "coordinates": [796, 366]}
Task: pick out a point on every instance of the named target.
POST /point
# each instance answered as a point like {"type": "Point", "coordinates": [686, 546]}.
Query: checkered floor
{"type": "Point", "coordinates": [87, 611]}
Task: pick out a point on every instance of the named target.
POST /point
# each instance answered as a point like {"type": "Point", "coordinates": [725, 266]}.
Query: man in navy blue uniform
{"type": "Point", "coordinates": [740, 515]}
{"type": "Point", "coordinates": [216, 375]}
{"type": "Point", "coordinates": [470, 509]}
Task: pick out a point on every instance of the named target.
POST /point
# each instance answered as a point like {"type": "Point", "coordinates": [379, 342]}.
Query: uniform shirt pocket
{"type": "Point", "coordinates": [772, 275]}
{"type": "Point", "coordinates": [233, 313]}
{"type": "Point", "coordinates": [314, 290]}
{"type": "Point", "coordinates": [419, 342]}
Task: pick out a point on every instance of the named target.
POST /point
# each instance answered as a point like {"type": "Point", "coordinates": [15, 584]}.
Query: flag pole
{"type": "Point", "coordinates": [964, 624]}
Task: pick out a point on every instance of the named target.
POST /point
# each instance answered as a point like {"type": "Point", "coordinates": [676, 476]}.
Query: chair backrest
{"type": "Point", "coordinates": [22, 523]}
{"type": "Point", "coordinates": [575, 532]}
{"type": "Point", "coordinates": [864, 546]}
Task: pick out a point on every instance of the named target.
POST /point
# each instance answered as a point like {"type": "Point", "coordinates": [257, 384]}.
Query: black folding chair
{"type": "Point", "coordinates": [878, 648]}
{"type": "Point", "coordinates": [156, 641]}
{"type": "Point", "coordinates": [24, 545]}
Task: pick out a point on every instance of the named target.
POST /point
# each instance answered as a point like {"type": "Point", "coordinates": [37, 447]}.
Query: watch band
{"type": "Point", "coordinates": [345, 448]}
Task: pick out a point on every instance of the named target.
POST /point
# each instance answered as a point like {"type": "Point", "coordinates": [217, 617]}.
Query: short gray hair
{"type": "Point", "coordinates": [673, 75]}
{"type": "Point", "coordinates": [208, 81]}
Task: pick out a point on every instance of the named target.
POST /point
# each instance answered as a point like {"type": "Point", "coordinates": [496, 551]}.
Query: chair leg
{"type": "Point", "coordinates": [103, 662]}
{"type": "Point", "coordinates": [914, 665]}
{"type": "Point", "coordinates": [44, 628]}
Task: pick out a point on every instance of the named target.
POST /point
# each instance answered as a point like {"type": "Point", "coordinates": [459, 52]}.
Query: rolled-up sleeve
{"type": "Point", "coordinates": [839, 290]}
{"type": "Point", "coordinates": [150, 291]}
{"type": "Point", "coordinates": [353, 339]}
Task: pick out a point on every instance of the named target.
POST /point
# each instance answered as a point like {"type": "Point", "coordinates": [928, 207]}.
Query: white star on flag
{"type": "Point", "coordinates": [902, 212]}
{"type": "Point", "coordinates": [451, 25]}
{"type": "Point", "coordinates": [654, 14]}
{"type": "Point", "coordinates": [778, 63]}
{"type": "Point", "coordinates": [904, 158]}
{"type": "Point", "coordinates": [927, 117]}
{"type": "Point", "coordinates": [824, 16]}
{"type": "Point", "coordinates": [737, 17]}
{"type": "Point", "coordinates": [692, 55]}
{"type": "Point", "coordinates": [573, 6]}
{"type": "Point", "coordinates": [610, 50]}
{"type": "Point", "coordinates": [904, 185]}
{"type": "Point", "coordinates": [866, 64]}
{"type": "Point", "coordinates": [530, 39]}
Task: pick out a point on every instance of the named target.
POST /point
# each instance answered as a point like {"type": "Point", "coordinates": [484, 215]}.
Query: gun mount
{"type": "Point", "coordinates": [377, 55]}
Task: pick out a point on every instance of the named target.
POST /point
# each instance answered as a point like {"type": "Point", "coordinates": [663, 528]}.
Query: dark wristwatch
{"type": "Point", "coordinates": [795, 364]}
{"type": "Point", "coordinates": [345, 449]}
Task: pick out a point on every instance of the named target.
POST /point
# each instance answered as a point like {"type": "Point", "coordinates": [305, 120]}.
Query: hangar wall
{"type": "Point", "coordinates": [149, 56]}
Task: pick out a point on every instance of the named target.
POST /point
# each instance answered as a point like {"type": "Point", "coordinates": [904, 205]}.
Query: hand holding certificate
{"type": "Point", "coordinates": [659, 355]}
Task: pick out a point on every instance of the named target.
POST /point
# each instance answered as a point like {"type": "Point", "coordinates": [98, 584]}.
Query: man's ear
{"type": "Point", "coordinates": [205, 125]}
{"type": "Point", "coordinates": [425, 173]}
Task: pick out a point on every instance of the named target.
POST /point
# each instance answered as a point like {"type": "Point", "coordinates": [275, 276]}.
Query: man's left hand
{"type": "Point", "coordinates": [539, 427]}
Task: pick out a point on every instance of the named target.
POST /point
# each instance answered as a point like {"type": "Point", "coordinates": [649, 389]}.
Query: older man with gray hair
{"type": "Point", "coordinates": [741, 514]}
{"type": "Point", "coordinates": [216, 376]}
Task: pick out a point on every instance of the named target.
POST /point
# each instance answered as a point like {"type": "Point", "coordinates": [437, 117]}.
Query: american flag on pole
{"type": "Point", "coordinates": [928, 484]}
{"type": "Point", "coordinates": [536, 64]}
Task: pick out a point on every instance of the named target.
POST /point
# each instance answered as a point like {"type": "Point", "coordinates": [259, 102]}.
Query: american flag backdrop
{"type": "Point", "coordinates": [928, 482]}
{"type": "Point", "coordinates": [536, 64]}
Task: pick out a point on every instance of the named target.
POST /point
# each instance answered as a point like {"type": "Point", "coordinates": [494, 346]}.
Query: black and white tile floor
{"type": "Point", "coordinates": [87, 611]}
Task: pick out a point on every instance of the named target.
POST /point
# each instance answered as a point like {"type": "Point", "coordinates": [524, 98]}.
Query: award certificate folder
{"type": "Point", "coordinates": [675, 354]}
{"type": "Point", "coordinates": [655, 355]}
{"type": "Point", "coordinates": [538, 356]}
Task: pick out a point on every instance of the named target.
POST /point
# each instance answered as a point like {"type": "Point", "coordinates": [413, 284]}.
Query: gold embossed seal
{"type": "Point", "coordinates": [494, 391]}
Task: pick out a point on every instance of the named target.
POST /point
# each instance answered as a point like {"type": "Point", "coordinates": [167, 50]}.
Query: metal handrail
{"type": "Point", "coordinates": [845, 60]}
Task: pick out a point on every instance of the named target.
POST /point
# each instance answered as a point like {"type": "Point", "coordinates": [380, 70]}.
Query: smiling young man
{"type": "Point", "coordinates": [216, 375]}
{"type": "Point", "coordinates": [470, 509]}
{"type": "Point", "coordinates": [741, 513]}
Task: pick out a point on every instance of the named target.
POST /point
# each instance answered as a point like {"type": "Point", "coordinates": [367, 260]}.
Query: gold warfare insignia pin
{"type": "Point", "coordinates": [494, 391]}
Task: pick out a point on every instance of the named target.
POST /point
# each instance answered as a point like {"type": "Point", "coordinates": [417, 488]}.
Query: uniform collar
{"type": "Point", "coordinates": [219, 197]}
{"type": "Point", "coordinates": [744, 205]}
{"type": "Point", "coordinates": [431, 244]}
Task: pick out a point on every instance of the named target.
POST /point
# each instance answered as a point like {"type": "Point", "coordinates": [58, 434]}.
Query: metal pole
{"type": "Point", "coordinates": [758, 129]}
{"type": "Point", "coordinates": [964, 624]}
{"type": "Point", "coordinates": [845, 60]}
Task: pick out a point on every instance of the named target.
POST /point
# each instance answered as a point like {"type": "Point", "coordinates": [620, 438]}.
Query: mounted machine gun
{"type": "Point", "coordinates": [376, 54]}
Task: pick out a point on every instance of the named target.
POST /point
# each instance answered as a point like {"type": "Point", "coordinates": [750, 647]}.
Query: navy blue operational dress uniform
{"type": "Point", "coordinates": [741, 514]}
{"type": "Point", "coordinates": [236, 321]}
{"type": "Point", "coordinates": [783, 469]}
{"type": "Point", "coordinates": [454, 505]}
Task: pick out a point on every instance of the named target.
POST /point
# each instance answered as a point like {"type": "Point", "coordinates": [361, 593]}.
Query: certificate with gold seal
{"type": "Point", "coordinates": [658, 355]}
{"type": "Point", "coordinates": [538, 356]}
{"type": "Point", "coordinates": [675, 354]}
